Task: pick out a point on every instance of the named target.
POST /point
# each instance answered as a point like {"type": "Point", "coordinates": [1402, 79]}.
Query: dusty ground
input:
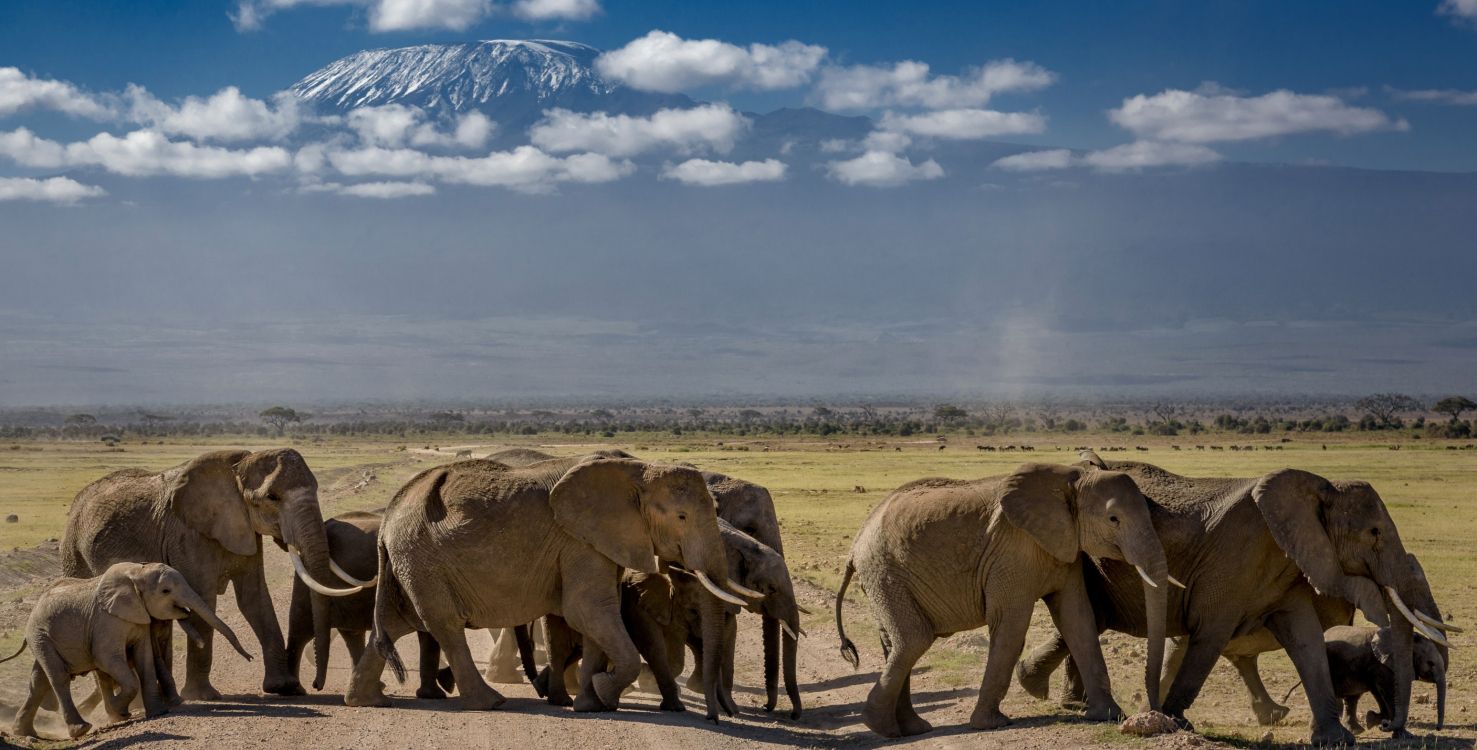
{"type": "Point", "coordinates": [944, 686]}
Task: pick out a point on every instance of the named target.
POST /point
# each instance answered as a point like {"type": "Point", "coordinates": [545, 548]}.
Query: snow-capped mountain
{"type": "Point", "coordinates": [512, 81]}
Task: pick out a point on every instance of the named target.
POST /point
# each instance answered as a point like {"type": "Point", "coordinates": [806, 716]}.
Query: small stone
{"type": "Point", "coordinates": [1148, 724]}
{"type": "Point", "coordinates": [12, 518]}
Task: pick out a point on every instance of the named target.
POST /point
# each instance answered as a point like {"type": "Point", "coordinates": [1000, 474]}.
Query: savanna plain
{"type": "Point", "coordinates": [823, 489]}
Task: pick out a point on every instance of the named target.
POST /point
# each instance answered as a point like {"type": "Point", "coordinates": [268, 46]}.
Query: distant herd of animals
{"type": "Point", "coordinates": [621, 562]}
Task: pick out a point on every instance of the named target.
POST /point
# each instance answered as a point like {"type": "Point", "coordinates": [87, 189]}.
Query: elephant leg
{"type": "Point", "coordinates": [1173, 659]}
{"type": "Point", "coordinates": [1298, 630]}
{"type": "Point", "coordinates": [25, 718]}
{"type": "Point", "coordinates": [561, 653]}
{"type": "Point", "coordinates": [1351, 714]}
{"type": "Point", "coordinates": [650, 641]}
{"type": "Point", "coordinates": [502, 663]}
{"type": "Point", "coordinates": [161, 632]}
{"type": "Point", "coordinates": [255, 602]}
{"type": "Point", "coordinates": [1071, 612]}
{"type": "Point", "coordinates": [593, 662]}
{"type": "Point", "coordinates": [1008, 626]}
{"type": "Point", "coordinates": [770, 636]}
{"type": "Point", "coordinates": [198, 657]}
{"type": "Point", "coordinates": [105, 691]}
{"type": "Point", "coordinates": [365, 688]}
{"type": "Point", "coordinates": [1033, 672]}
{"type": "Point", "coordinates": [354, 641]}
{"type": "Point", "coordinates": [906, 635]}
{"type": "Point", "coordinates": [1268, 711]}
{"type": "Point", "coordinates": [1203, 649]}
{"type": "Point", "coordinates": [299, 626]}
{"type": "Point", "coordinates": [1074, 692]}
{"type": "Point", "coordinates": [473, 694]}
{"type": "Point", "coordinates": [61, 685]}
{"type": "Point", "coordinates": [118, 670]}
{"type": "Point", "coordinates": [730, 646]}
{"type": "Point", "coordinates": [154, 700]}
{"type": "Point", "coordinates": [430, 668]}
{"type": "Point", "coordinates": [598, 619]}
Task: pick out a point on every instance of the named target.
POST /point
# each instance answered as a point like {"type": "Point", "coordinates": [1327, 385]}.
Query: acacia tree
{"type": "Point", "coordinates": [279, 417]}
{"type": "Point", "coordinates": [949, 412]}
{"type": "Point", "coordinates": [1454, 406]}
{"type": "Point", "coordinates": [1385, 407]}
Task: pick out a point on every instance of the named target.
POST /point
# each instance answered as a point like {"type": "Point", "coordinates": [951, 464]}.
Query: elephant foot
{"type": "Point", "coordinates": [606, 689]}
{"type": "Point", "coordinates": [1035, 683]}
{"type": "Point", "coordinates": [673, 704]}
{"type": "Point", "coordinates": [200, 692]}
{"type": "Point", "coordinates": [1354, 726]}
{"type": "Point", "coordinates": [283, 687]}
{"type": "Point", "coordinates": [795, 714]}
{"type": "Point", "coordinates": [587, 703]}
{"type": "Point", "coordinates": [479, 700]}
{"type": "Point", "coordinates": [1400, 734]}
{"type": "Point", "coordinates": [367, 699]}
{"type": "Point", "coordinates": [446, 679]}
{"type": "Point", "coordinates": [541, 684]}
{"type": "Point", "coordinates": [561, 699]}
{"type": "Point", "coordinates": [432, 692]}
{"type": "Point", "coordinates": [1109, 712]}
{"type": "Point", "coordinates": [1181, 722]}
{"type": "Point", "coordinates": [1373, 719]}
{"type": "Point", "coordinates": [78, 729]}
{"type": "Point", "coordinates": [988, 719]}
{"type": "Point", "coordinates": [883, 724]}
{"type": "Point", "coordinates": [23, 728]}
{"type": "Point", "coordinates": [909, 725]}
{"type": "Point", "coordinates": [1332, 736]}
{"type": "Point", "coordinates": [1268, 714]}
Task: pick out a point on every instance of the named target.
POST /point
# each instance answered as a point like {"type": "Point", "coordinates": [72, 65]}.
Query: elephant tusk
{"type": "Point", "coordinates": [803, 610]}
{"type": "Point", "coordinates": [715, 591]}
{"type": "Point", "coordinates": [351, 580]}
{"type": "Point", "coordinates": [1147, 580]}
{"type": "Point", "coordinates": [1176, 581]}
{"type": "Point", "coordinates": [742, 590]}
{"type": "Point", "coordinates": [785, 626]}
{"type": "Point", "coordinates": [1429, 632]}
{"type": "Point", "coordinates": [1435, 623]}
{"type": "Point", "coordinates": [302, 572]}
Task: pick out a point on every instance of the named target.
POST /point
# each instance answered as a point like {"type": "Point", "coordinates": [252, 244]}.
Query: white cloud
{"type": "Point", "coordinates": [882, 169]}
{"type": "Point", "coordinates": [1037, 161]}
{"type": "Point", "coordinates": [226, 115]}
{"type": "Point", "coordinates": [53, 190]}
{"type": "Point", "coordinates": [889, 141]}
{"type": "Point", "coordinates": [397, 125]}
{"type": "Point", "coordinates": [908, 84]}
{"type": "Point", "coordinates": [525, 168]}
{"type": "Point", "coordinates": [711, 126]}
{"type": "Point", "coordinates": [386, 190]}
{"type": "Point", "coordinates": [1129, 156]}
{"type": "Point", "coordinates": [713, 173]}
{"type": "Point", "coordinates": [545, 10]}
{"type": "Point", "coordinates": [19, 91]}
{"type": "Point", "coordinates": [663, 61]}
{"type": "Point", "coordinates": [1212, 116]}
{"type": "Point", "coordinates": [835, 145]}
{"type": "Point", "coordinates": [1454, 97]}
{"type": "Point", "coordinates": [1462, 10]}
{"type": "Point", "coordinates": [964, 124]}
{"type": "Point", "coordinates": [143, 153]}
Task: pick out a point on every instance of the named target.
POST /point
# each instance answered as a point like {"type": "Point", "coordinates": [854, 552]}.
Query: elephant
{"type": "Point", "coordinates": [1359, 659]}
{"type": "Point", "coordinates": [206, 518]}
{"type": "Point", "coordinates": [1257, 553]}
{"type": "Point", "coordinates": [939, 556]}
{"type": "Point", "coordinates": [102, 625]}
{"type": "Point", "coordinates": [352, 539]}
{"type": "Point", "coordinates": [479, 544]}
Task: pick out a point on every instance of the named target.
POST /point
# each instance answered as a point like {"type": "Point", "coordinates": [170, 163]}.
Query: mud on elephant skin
{"type": "Point", "coordinates": [207, 517]}
{"type": "Point", "coordinates": [941, 556]}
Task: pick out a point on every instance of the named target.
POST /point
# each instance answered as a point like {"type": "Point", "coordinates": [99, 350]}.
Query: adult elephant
{"type": "Point", "coordinates": [1256, 553]}
{"type": "Point", "coordinates": [206, 518]}
{"type": "Point", "coordinates": [478, 544]}
{"type": "Point", "coordinates": [940, 556]}
{"type": "Point", "coordinates": [750, 509]}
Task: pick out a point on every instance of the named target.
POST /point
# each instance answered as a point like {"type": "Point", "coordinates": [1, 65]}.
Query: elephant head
{"type": "Point", "coordinates": [141, 592]}
{"type": "Point", "coordinates": [1344, 541]}
{"type": "Point", "coordinates": [1428, 665]}
{"type": "Point", "coordinates": [234, 496]}
{"type": "Point", "coordinates": [1067, 509]}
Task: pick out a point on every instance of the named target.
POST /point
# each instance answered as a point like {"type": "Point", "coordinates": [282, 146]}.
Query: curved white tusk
{"type": "Point", "coordinates": [1429, 632]}
{"type": "Point", "coordinates": [351, 580]}
{"type": "Point", "coordinates": [302, 572]}
{"type": "Point", "coordinates": [715, 591]}
{"type": "Point", "coordinates": [1145, 576]}
{"type": "Point", "coordinates": [742, 590]}
{"type": "Point", "coordinates": [1435, 623]}
{"type": "Point", "coordinates": [785, 626]}
{"type": "Point", "coordinates": [1176, 582]}
{"type": "Point", "coordinates": [803, 610]}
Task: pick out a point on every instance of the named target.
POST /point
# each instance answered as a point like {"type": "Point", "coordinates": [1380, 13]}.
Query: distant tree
{"type": "Point", "coordinates": [949, 412]}
{"type": "Point", "coordinates": [750, 415]}
{"type": "Point", "coordinates": [442, 417]}
{"type": "Point", "coordinates": [694, 413]}
{"type": "Point", "coordinates": [1386, 407]}
{"type": "Point", "coordinates": [80, 420]}
{"type": "Point", "coordinates": [601, 414]}
{"type": "Point", "coordinates": [279, 417]}
{"type": "Point", "coordinates": [821, 411]}
{"type": "Point", "coordinates": [1165, 412]}
{"type": "Point", "coordinates": [1454, 406]}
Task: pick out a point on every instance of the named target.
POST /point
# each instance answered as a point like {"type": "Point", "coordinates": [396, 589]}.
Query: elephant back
{"type": "Point", "coordinates": [747, 506]}
{"type": "Point", "coordinates": [120, 507]}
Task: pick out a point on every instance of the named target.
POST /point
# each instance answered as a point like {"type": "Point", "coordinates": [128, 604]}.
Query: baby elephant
{"type": "Point", "coordinates": [1359, 661]}
{"type": "Point", "coordinates": [102, 625]}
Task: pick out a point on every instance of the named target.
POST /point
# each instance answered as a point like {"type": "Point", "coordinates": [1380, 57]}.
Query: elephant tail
{"type": "Point", "coordinates": [386, 598]}
{"type": "Point", "coordinates": [848, 649]}
{"type": "Point", "coordinates": [18, 652]}
{"type": "Point", "coordinates": [1289, 691]}
{"type": "Point", "coordinates": [523, 636]}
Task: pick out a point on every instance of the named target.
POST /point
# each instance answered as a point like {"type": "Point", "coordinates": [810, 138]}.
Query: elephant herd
{"type": "Point", "coordinates": [624, 563]}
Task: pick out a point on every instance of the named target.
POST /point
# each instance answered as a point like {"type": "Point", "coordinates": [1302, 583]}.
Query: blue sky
{"type": "Point", "coordinates": [1102, 52]}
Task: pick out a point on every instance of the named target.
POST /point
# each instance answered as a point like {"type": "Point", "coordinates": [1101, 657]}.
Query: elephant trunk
{"type": "Point", "coordinates": [1440, 699]}
{"type": "Point", "coordinates": [713, 615]}
{"type": "Point", "coordinates": [771, 635]}
{"type": "Point", "coordinates": [204, 612]}
{"type": "Point", "coordinates": [306, 538]}
{"type": "Point", "coordinates": [1145, 553]}
{"type": "Point", "coordinates": [1402, 648]}
{"type": "Point", "coordinates": [792, 685]}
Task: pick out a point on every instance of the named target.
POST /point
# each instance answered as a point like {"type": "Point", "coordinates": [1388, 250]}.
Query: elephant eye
{"type": "Point", "coordinates": [1374, 531]}
{"type": "Point", "coordinates": [681, 516]}
{"type": "Point", "coordinates": [164, 591]}
{"type": "Point", "coordinates": [1113, 520]}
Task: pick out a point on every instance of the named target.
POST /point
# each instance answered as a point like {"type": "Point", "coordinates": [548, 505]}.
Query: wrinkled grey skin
{"type": "Point", "coordinates": [1252, 552]}
{"type": "Point", "coordinates": [942, 556]}
{"type": "Point", "coordinates": [1360, 661]}
{"type": "Point", "coordinates": [352, 540]}
{"type": "Point", "coordinates": [477, 544]}
{"type": "Point", "coordinates": [206, 518]}
{"type": "Point", "coordinates": [102, 625]}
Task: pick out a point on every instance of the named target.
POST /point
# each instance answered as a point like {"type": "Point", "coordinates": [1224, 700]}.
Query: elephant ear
{"type": "Point", "coordinates": [599, 503]}
{"type": "Point", "coordinates": [1291, 502]}
{"type": "Point", "coordinates": [1037, 499]}
{"type": "Point", "coordinates": [118, 595]}
{"type": "Point", "coordinates": [1380, 645]}
{"type": "Point", "coordinates": [206, 494]}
